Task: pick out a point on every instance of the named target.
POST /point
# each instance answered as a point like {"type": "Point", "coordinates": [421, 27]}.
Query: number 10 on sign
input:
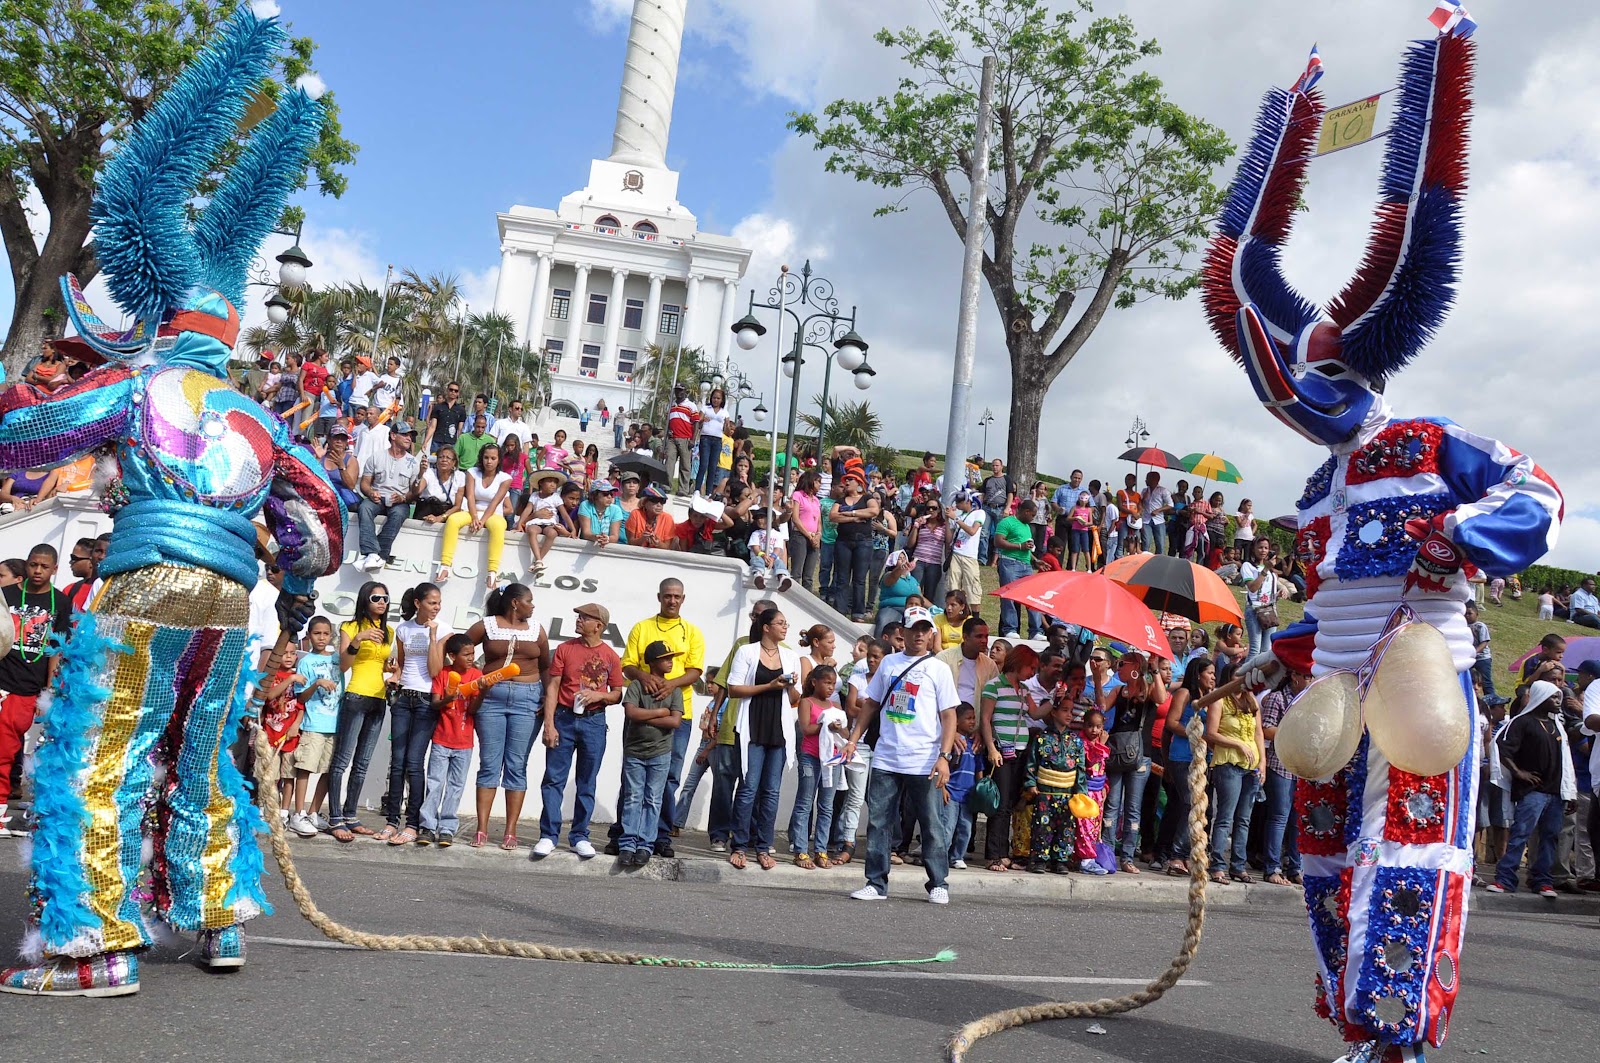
{"type": "Point", "coordinates": [1347, 126]}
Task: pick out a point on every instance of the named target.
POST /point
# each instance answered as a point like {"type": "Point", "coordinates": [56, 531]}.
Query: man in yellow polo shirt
{"type": "Point", "coordinates": [687, 641]}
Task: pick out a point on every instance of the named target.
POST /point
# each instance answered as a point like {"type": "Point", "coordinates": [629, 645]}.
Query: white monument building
{"type": "Point", "coordinates": [621, 264]}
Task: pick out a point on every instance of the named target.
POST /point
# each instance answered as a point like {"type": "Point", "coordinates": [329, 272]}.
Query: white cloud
{"type": "Point", "coordinates": [775, 242]}
{"type": "Point", "coordinates": [477, 287]}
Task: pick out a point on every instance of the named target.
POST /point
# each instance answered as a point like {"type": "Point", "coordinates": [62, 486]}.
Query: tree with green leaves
{"type": "Point", "coordinates": [1101, 187]}
{"type": "Point", "coordinates": [661, 367]}
{"type": "Point", "coordinates": [74, 76]}
{"type": "Point", "coordinates": [850, 424]}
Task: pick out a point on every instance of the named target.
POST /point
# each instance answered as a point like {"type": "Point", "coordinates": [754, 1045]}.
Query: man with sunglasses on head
{"type": "Point", "coordinates": [445, 420]}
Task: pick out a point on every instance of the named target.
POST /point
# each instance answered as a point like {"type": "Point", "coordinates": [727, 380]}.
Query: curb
{"type": "Point", "coordinates": [703, 867]}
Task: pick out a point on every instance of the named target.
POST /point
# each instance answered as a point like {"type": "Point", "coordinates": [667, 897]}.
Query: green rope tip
{"type": "Point", "coordinates": [943, 956]}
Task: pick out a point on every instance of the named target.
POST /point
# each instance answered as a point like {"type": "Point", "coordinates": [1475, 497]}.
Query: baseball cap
{"type": "Point", "coordinates": [1590, 669]}
{"type": "Point", "coordinates": [917, 615]}
{"type": "Point", "coordinates": [658, 650]}
{"type": "Point", "coordinates": [339, 430]}
{"type": "Point", "coordinates": [594, 610]}
{"type": "Point", "coordinates": [652, 493]}
{"type": "Point", "coordinates": [603, 486]}
{"type": "Point", "coordinates": [403, 428]}
{"type": "Point", "coordinates": [629, 475]}
{"type": "Point", "coordinates": [362, 359]}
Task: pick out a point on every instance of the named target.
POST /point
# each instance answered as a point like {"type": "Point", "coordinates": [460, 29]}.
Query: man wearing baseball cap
{"type": "Point", "coordinates": [653, 719]}
{"type": "Point", "coordinates": [585, 676]}
{"type": "Point", "coordinates": [912, 700]}
{"type": "Point", "coordinates": [389, 483]}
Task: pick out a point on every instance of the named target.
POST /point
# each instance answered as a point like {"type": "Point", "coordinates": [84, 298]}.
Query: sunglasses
{"type": "Point", "coordinates": [374, 598]}
{"type": "Point", "coordinates": [80, 557]}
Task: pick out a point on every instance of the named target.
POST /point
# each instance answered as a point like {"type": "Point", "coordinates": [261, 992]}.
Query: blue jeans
{"type": "Point", "coordinates": [680, 745]}
{"type": "Point", "coordinates": [616, 433]}
{"type": "Point", "coordinates": [1485, 669]}
{"type": "Point", "coordinates": [810, 796]}
{"type": "Point", "coordinates": [685, 799]}
{"type": "Point", "coordinates": [884, 791]}
{"type": "Point", "coordinates": [411, 720]}
{"type": "Point", "coordinates": [1535, 811]}
{"type": "Point", "coordinates": [986, 543]}
{"type": "Point", "coordinates": [847, 813]}
{"type": "Point", "coordinates": [957, 819]}
{"type": "Point", "coordinates": [585, 737]}
{"type": "Point", "coordinates": [1155, 538]}
{"type": "Point", "coordinates": [1283, 826]}
{"type": "Point", "coordinates": [447, 781]}
{"type": "Point", "coordinates": [647, 781]}
{"type": "Point", "coordinates": [506, 722]}
{"type": "Point", "coordinates": [710, 450]}
{"type": "Point", "coordinates": [929, 574]}
{"type": "Point", "coordinates": [1010, 571]}
{"type": "Point", "coordinates": [360, 726]}
{"type": "Point", "coordinates": [372, 540]}
{"type": "Point", "coordinates": [754, 826]}
{"type": "Point", "coordinates": [1235, 790]}
{"type": "Point", "coordinates": [1124, 799]}
{"type": "Point", "coordinates": [725, 772]}
{"type": "Point", "coordinates": [825, 572]}
{"type": "Point", "coordinates": [1260, 637]}
{"type": "Point", "coordinates": [851, 559]}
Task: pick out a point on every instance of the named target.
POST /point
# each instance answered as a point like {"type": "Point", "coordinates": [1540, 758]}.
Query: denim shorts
{"type": "Point", "coordinates": [506, 723]}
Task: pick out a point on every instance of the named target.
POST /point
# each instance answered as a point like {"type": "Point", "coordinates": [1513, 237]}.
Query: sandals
{"type": "Point", "coordinates": [896, 858]}
{"type": "Point", "coordinates": [803, 860]}
{"type": "Point", "coordinates": [846, 854]}
{"type": "Point", "coordinates": [386, 834]}
{"type": "Point", "coordinates": [1241, 876]}
{"type": "Point", "coordinates": [509, 842]}
{"type": "Point", "coordinates": [342, 834]}
{"type": "Point", "coordinates": [1277, 879]}
{"type": "Point", "coordinates": [363, 830]}
{"type": "Point", "coordinates": [736, 858]}
{"type": "Point", "coordinates": [479, 840]}
{"type": "Point", "coordinates": [767, 862]}
{"type": "Point", "coordinates": [1000, 865]}
{"type": "Point", "coordinates": [823, 861]}
{"type": "Point", "coordinates": [405, 837]}
{"type": "Point", "coordinates": [1178, 868]}
{"type": "Point", "coordinates": [1219, 878]}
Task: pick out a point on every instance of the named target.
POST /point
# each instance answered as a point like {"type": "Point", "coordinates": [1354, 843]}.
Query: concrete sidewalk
{"type": "Point", "coordinates": [696, 863]}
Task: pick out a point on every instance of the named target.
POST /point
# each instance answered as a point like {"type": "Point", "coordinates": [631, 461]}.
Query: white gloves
{"type": "Point", "coordinates": [1261, 670]}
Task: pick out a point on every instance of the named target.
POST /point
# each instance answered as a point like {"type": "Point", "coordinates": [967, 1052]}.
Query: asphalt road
{"type": "Point", "coordinates": [1529, 991]}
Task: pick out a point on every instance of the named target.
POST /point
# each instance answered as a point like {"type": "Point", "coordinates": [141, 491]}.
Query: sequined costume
{"type": "Point", "coordinates": [1055, 769]}
{"type": "Point", "coordinates": [1095, 755]}
{"type": "Point", "coordinates": [1400, 513]}
{"type": "Point", "coordinates": [142, 813]}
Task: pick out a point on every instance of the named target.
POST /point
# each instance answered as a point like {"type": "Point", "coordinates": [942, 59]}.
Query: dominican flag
{"type": "Point", "coordinates": [1450, 17]}
{"type": "Point", "coordinates": [1313, 72]}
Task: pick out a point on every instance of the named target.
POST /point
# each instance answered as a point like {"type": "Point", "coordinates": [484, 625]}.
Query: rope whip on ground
{"type": "Point", "coordinates": [266, 773]}
{"type": "Point", "coordinates": [1010, 1018]}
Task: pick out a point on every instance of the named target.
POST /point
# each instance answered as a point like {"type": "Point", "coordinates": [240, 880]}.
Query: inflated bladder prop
{"type": "Point", "coordinates": [1321, 734]}
{"type": "Point", "coordinates": [1415, 708]}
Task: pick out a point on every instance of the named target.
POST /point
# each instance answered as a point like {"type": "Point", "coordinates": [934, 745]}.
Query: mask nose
{"type": "Point", "coordinates": [1324, 411]}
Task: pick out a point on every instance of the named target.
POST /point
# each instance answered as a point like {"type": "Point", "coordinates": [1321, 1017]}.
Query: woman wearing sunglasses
{"type": "Point", "coordinates": [366, 645]}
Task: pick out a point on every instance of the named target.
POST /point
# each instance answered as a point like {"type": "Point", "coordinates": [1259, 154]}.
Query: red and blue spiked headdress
{"type": "Point", "coordinates": [1406, 280]}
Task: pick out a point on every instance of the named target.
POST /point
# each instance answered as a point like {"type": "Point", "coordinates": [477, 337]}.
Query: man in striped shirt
{"type": "Point", "coordinates": [680, 439]}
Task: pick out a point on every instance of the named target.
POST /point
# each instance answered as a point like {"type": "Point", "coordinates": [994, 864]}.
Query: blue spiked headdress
{"type": "Point", "coordinates": [180, 281]}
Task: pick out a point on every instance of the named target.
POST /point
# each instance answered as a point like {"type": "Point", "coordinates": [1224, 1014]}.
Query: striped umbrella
{"type": "Point", "coordinates": [1152, 456]}
{"type": "Point", "coordinates": [1173, 585]}
{"type": "Point", "coordinates": [1211, 467]}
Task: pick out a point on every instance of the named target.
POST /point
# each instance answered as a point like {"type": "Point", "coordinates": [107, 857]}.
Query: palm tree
{"type": "Point", "coordinates": [661, 368]}
{"type": "Point", "coordinates": [850, 424]}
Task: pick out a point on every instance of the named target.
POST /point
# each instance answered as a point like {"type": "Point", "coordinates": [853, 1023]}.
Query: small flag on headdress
{"type": "Point", "coordinates": [1313, 72]}
{"type": "Point", "coordinates": [1451, 18]}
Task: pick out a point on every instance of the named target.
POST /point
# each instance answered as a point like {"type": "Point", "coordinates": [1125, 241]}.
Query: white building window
{"type": "Point", "coordinates": [625, 363]}
{"type": "Point", "coordinates": [633, 315]}
{"type": "Point", "coordinates": [671, 317]}
{"type": "Point", "coordinates": [647, 227]}
{"type": "Point", "coordinates": [553, 350]}
{"type": "Point", "coordinates": [589, 363]}
{"type": "Point", "coordinates": [560, 303]}
{"type": "Point", "coordinates": [609, 223]}
{"type": "Point", "coordinates": [597, 308]}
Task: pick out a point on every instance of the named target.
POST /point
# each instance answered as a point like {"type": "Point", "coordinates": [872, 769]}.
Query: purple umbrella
{"type": "Point", "coordinates": [1586, 648]}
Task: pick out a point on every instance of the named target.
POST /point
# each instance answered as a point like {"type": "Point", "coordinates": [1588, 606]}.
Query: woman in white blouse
{"type": "Point", "coordinates": [482, 498]}
{"type": "Point", "coordinates": [712, 414]}
{"type": "Point", "coordinates": [765, 676]}
{"type": "Point", "coordinates": [442, 488]}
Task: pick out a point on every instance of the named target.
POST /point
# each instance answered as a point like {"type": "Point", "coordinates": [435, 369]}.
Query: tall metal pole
{"type": "Point", "coordinates": [383, 303]}
{"type": "Point", "coordinates": [494, 391]}
{"type": "Point", "coordinates": [466, 316]}
{"type": "Point", "coordinates": [794, 409]}
{"type": "Point", "coordinates": [777, 381]}
{"type": "Point", "coordinates": [955, 448]}
{"type": "Point", "coordinates": [822, 414]}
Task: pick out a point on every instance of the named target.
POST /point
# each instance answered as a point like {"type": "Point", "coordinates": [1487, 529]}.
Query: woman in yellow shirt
{"type": "Point", "coordinates": [1238, 769]}
{"type": "Point", "coordinates": [366, 646]}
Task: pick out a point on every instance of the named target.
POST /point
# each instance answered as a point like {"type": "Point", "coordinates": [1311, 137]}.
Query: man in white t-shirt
{"type": "Point", "coordinates": [513, 425]}
{"type": "Point", "coordinates": [387, 391]}
{"type": "Point", "coordinates": [916, 696]}
{"type": "Point", "coordinates": [365, 381]}
{"type": "Point", "coordinates": [966, 531]}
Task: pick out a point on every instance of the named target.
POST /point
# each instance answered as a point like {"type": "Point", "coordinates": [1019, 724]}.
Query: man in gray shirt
{"type": "Point", "coordinates": [389, 482]}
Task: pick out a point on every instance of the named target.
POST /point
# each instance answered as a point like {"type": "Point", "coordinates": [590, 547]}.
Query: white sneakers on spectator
{"type": "Point", "coordinates": [320, 821]}
{"type": "Point", "coordinates": [868, 893]}
{"type": "Point", "coordinates": [584, 849]}
{"type": "Point", "coordinates": [938, 895]}
{"type": "Point", "coordinates": [543, 848]}
{"type": "Point", "coordinates": [303, 825]}
{"type": "Point", "coordinates": [960, 865]}
{"type": "Point", "coordinates": [371, 562]}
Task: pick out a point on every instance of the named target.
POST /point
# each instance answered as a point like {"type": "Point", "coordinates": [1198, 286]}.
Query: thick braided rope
{"type": "Point", "coordinates": [266, 772]}
{"type": "Point", "coordinates": [996, 1021]}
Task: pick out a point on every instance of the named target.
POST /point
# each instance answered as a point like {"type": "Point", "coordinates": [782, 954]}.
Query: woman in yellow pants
{"type": "Point", "coordinates": [483, 496]}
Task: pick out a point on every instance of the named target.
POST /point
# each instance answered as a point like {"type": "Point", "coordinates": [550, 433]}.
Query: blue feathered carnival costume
{"type": "Point", "coordinates": [1390, 527]}
{"type": "Point", "coordinates": [142, 814]}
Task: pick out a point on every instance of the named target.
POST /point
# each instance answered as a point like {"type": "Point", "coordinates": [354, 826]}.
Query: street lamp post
{"type": "Point", "coordinates": [1138, 432]}
{"type": "Point", "coordinates": [822, 326]}
{"type": "Point", "coordinates": [984, 422]}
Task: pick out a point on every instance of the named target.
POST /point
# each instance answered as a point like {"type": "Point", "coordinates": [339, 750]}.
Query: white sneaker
{"type": "Point", "coordinates": [320, 821]}
{"type": "Point", "coordinates": [5, 823]}
{"type": "Point", "coordinates": [960, 865]}
{"type": "Point", "coordinates": [372, 562]}
{"type": "Point", "coordinates": [584, 849]}
{"type": "Point", "coordinates": [868, 892]}
{"type": "Point", "coordinates": [543, 848]}
{"type": "Point", "coordinates": [938, 895]}
{"type": "Point", "coordinates": [302, 825]}
{"type": "Point", "coordinates": [283, 816]}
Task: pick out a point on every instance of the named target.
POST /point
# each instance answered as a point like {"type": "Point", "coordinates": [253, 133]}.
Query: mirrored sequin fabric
{"type": "Point", "coordinates": [150, 769]}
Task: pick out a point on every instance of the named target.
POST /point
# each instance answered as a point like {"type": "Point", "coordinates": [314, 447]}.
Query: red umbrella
{"type": "Point", "coordinates": [1153, 456]}
{"type": "Point", "coordinates": [1090, 600]}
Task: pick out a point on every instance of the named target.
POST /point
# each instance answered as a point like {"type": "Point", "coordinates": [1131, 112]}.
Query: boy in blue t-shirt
{"type": "Point", "coordinates": [320, 694]}
{"type": "Point", "coordinates": [963, 777]}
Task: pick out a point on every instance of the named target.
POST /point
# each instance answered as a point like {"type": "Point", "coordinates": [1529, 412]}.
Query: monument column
{"type": "Point", "coordinates": [539, 304]}
{"type": "Point", "coordinates": [730, 307]}
{"type": "Point", "coordinates": [614, 310]}
{"type": "Point", "coordinates": [649, 80]}
{"type": "Point", "coordinates": [691, 311]}
{"type": "Point", "coordinates": [577, 316]}
{"type": "Point", "coordinates": [652, 309]}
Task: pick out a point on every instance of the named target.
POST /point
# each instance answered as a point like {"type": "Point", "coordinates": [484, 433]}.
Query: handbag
{"type": "Point", "coordinates": [984, 797]}
{"type": "Point", "coordinates": [1126, 748]}
{"type": "Point", "coordinates": [1267, 615]}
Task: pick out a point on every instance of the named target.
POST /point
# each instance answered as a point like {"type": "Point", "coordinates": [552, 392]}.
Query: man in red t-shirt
{"type": "Point", "coordinates": [585, 676]}
{"type": "Point", "coordinates": [681, 437]}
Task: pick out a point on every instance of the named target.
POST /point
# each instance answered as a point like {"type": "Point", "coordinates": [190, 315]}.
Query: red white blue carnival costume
{"type": "Point", "coordinates": [143, 817]}
{"type": "Point", "coordinates": [1401, 511]}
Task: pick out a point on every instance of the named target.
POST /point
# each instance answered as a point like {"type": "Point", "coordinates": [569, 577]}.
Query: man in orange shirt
{"type": "Point", "coordinates": [650, 526]}
{"type": "Point", "coordinates": [1131, 504]}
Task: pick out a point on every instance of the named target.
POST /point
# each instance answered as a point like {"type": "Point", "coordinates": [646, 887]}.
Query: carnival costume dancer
{"type": "Point", "coordinates": [142, 814]}
{"type": "Point", "coordinates": [1388, 524]}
